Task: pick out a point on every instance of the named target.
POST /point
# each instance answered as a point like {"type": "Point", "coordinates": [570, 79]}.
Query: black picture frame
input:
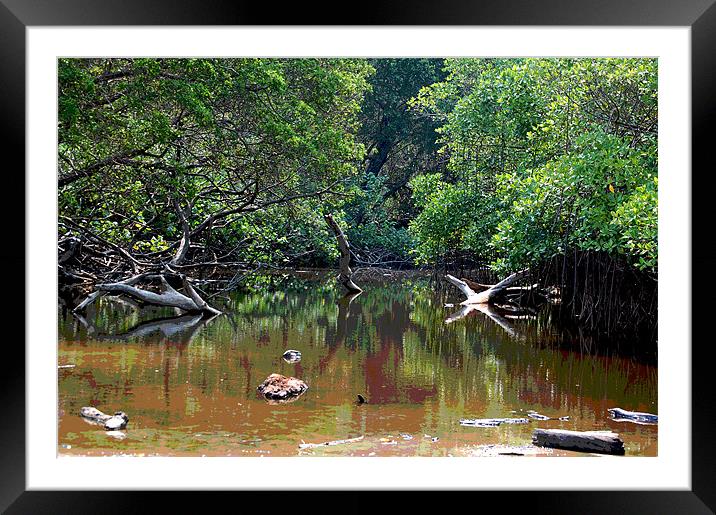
{"type": "Point", "coordinates": [17, 15]}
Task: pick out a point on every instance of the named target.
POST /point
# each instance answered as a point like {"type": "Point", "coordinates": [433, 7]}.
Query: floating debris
{"type": "Point", "coordinates": [292, 356]}
{"type": "Point", "coordinates": [361, 399]}
{"type": "Point", "coordinates": [449, 305]}
{"type": "Point", "coordinates": [326, 444]}
{"type": "Point", "coordinates": [492, 422]}
{"type": "Point", "coordinates": [66, 366]}
{"type": "Point", "coordinates": [539, 416]}
{"type": "Point", "coordinates": [110, 422]}
{"type": "Point", "coordinates": [622, 415]}
{"type": "Point", "coordinates": [391, 442]}
{"type": "Point", "coordinates": [406, 436]}
{"type": "Point", "coordinates": [434, 439]}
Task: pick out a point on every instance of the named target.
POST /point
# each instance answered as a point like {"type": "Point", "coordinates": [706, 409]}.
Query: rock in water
{"type": "Point", "coordinates": [281, 388]}
{"type": "Point", "coordinates": [292, 356]}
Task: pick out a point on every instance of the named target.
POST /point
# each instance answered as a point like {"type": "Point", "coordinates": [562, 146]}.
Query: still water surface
{"type": "Point", "coordinates": [189, 386]}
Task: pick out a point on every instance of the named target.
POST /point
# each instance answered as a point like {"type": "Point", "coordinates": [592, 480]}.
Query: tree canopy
{"type": "Point", "coordinates": [179, 164]}
{"type": "Point", "coordinates": [545, 156]}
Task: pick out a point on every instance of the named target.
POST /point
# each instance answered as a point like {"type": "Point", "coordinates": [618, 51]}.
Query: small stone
{"type": "Point", "coordinates": [292, 356]}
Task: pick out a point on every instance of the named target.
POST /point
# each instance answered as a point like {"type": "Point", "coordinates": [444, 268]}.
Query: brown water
{"type": "Point", "coordinates": [189, 386]}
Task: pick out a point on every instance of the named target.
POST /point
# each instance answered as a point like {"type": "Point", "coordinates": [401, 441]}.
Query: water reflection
{"type": "Point", "coordinates": [189, 386]}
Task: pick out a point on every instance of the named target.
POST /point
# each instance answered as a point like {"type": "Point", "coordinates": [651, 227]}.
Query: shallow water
{"type": "Point", "coordinates": [189, 385]}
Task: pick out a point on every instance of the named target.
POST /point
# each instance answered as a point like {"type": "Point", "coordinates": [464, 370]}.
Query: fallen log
{"type": "Point", "coordinates": [602, 442]}
{"type": "Point", "coordinates": [622, 415]}
{"type": "Point", "coordinates": [346, 274]}
{"type": "Point", "coordinates": [490, 294]}
{"type": "Point", "coordinates": [169, 297]}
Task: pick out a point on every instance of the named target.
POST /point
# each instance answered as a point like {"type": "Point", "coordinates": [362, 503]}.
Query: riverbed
{"type": "Point", "coordinates": [189, 384]}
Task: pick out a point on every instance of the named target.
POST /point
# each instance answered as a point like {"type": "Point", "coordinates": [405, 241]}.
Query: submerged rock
{"type": "Point", "coordinates": [292, 356]}
{"type": "Point", "coordinates": [281, 388]}
{"type": "Point", "coordinates": [110, 422]}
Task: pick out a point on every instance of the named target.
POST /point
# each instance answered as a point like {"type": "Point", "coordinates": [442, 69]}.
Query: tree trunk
{"type": "Point", "coordinates": [346, 274]}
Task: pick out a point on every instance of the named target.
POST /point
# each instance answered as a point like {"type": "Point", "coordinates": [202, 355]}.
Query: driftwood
{"type": "Point", "coordinates": [487, 296]}
{"type": "Point", "coordinates": [110, 422]}
{"type": "Point", "coordinates": [189, 302]}
{"type": "Point", "coordinates": [622, 415]}
{"type": "Point", "coordinates": [602, 442]}
{"type": "Point", "coordinates": [346, 274]}
{"type": "Point", "coordinates": [538, 416]}
{"type": "Point", "coordinates": [326, 444]}
{"type": "Point", "coordinates": [491, 422]}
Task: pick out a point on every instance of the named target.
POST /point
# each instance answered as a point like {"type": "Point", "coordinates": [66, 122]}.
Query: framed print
{"type": "Point", "coordinates": [449, 248]}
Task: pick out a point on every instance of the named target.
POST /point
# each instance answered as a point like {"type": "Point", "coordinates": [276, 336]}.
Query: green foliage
{"type": "Point", "coordinates": [399, 143]}
{"type": "Point", "coordinates": [241, 146]}
{"type": "Point", "coordinates": [545, 155]}
{"type": "Point", "coordinates": [511, 161]}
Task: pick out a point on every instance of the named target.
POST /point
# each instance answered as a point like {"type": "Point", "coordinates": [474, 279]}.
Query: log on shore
{"type": "Point", "coordinates": [602, 442]}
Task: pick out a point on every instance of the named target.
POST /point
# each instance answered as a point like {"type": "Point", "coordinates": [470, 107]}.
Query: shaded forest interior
{"type": "Point", "coordinates": [179, 178]}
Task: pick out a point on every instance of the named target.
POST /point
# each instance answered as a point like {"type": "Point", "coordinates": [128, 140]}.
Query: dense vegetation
{"type": "Point", "coordinates": [209, 164]}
